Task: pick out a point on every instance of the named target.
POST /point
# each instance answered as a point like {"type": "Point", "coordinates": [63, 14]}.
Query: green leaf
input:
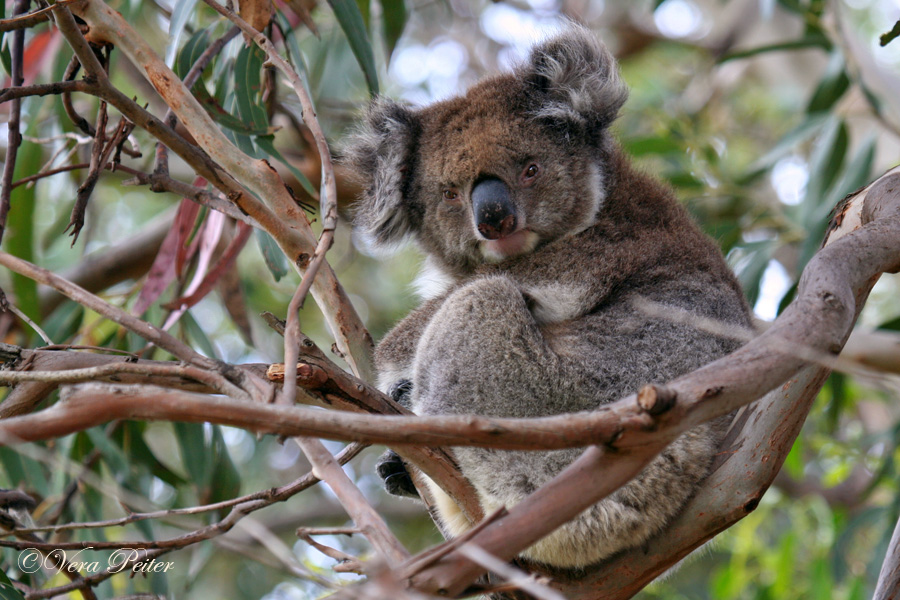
{"type": "Point", "coordinates": [64, 322]}
{"type": "Point", "coordinates": [365, 9]}
{"type": "Point", "coordinates": [196, 333]}
{"type": "Point", "coordinates": [394, 17]}
{"type": "Point", "coordinates": [794, 464]}
{"type": "Point", "coordinates": [226, 482]}
{"type": "Point", "coordinates": [799, 134]}
{"type": "Point", "coordinates": [272, 254]}
{"type": "Point", "coordinates": [248, 86]}
{"type": "Point", "coordinates": [180, 15]}
{"type": "Point", "coordinates": [195, 452]}
{"type": "Point", "coordinates": [825, 164]}
{"type": "Point", "coordinates": [832, 86]}
{"type": "Point", "coordinates": [132, 441]}
{"type": "Point", "coordinates": [890, 36]}
{"type": "Point", "coordinates": [295, 56]}
{"type": "Point", "coordinates": [351, 21]}
{"type": "Point", "coordinates": [751, 268]}
{"type": "Point", "coordinates": [19, 236]}
{"type": "Point", "coordinates": [207, 462]}
{"type": "Point", "coordinates": [822, 583]}
{"type": "Point", "coordinates": [22, 470]}
{"type": "Point", "coordinates": [190, 53]}
{"type": "Point", "coordinates": [653, 145]}
{"type": "Point", "coordinates": [7, 591]}
{"type": "Point", "coordinates": [112, 454]}
{"type": "Point", "coordinates": [225, 118]}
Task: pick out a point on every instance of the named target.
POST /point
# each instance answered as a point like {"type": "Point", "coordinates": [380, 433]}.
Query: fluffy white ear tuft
{"type": "Point", "coordinates": [379, 155]}
{"type": "Point", "coordinates": [579, 76]}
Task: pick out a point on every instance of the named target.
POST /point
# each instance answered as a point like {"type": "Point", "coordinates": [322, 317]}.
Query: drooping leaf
{"type": "Point", "coordinates": [7, 590]}
{"type": "Point", "coordinates": [196, 458]}
{"type": "Point", "coordinates": [248, 85]}
{"type": "Point", "coordinates": [811, 125]}
{"type": "Point", "coordinates": [187, 223]}
{"type": "Point", "coordinates": [225, 118]}
{"type": "Point", "coordinates": [210, 278]}
{"type": "Point", "coordinates": [394, 17]}
{"type": "Point", "coordinates": [190, 53]}
{"type": "Point", "coordinates": [20, 224]}
{"type": "Point", "coordinates": [235, 303]}
{"type": "Point", "coordinates": [181, 12]}
{"type": "Point", "coordinates": [199, 337]}
{"type": "Point", "coordinates": [832, 86]}
{"type": "Point", "coordinates": [226, 482]}
{"type": "Point", "coordinates": [207, 239]}
{"type": "Point", "coordinates": [162, 272]}
{"type": "Point", "coordinates": [272, 254]}
{"type": "Point", "coordinates": [351, 21]}
{"type": "Point", "coordinates": [365, 9]}
{"type": "Point", "coordinates": [825, 164]}
{"type": "Point", "coordinates": [64, 322]}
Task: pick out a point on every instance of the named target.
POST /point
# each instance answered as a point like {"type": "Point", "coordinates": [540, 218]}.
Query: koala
{"type": "Point", "coordinates": [538, 236]}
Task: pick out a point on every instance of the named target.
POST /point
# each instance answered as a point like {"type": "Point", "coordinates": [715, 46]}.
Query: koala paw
{"type": "Point", "coordinates": [400, 392]}
{"type": "Point", "coordinates": [396, 478]}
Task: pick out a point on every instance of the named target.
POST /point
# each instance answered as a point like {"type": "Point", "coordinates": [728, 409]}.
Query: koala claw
{"type": "Point", "coordinates": [397, 481]}
{"type": "Point", "coordinates": [400, 392]}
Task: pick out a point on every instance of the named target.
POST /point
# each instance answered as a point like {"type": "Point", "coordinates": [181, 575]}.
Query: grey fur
{"type": "Point", "coordinates": [551, 326]}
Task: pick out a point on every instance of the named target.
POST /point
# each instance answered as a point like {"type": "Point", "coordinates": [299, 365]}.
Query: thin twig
{"type": "Point", "coordinates": [270, 495]}
{"type": "Point", "coordinates": [366, 518]}
{"type": "Point", "coordinates": [204, 376]}
{"type": "Point", "coordinates": [149, 332]}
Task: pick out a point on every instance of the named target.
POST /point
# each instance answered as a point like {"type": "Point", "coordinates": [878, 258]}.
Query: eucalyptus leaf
{"type": "Point", "coordinates": [272, 254]}
{"type": "Point", "coordinates": [394, 17]}
{"type": "Point", "coordinates": [351, 21]}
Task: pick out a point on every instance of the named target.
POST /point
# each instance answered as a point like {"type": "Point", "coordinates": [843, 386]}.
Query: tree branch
{"type": "Point", "coordinates": [287, 225]}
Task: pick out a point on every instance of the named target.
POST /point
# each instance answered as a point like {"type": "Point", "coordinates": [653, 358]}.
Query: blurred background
{"type": "Point", "coordinates": [761, 115]}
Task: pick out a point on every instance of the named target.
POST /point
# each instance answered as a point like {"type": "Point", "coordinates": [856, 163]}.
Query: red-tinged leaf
{"type": "Point", "coordinates": [218, 270]}
{"type": "Point", "coordinates": [40, 50]}
{"type": "Point", "coordinates": [185, 222]}
{"type": "Point", "coordinates": [233, 299]}
{"type": "Point", "coordinates": [208, 238]}
{"type": "Point", "coordinates": [162, 272]}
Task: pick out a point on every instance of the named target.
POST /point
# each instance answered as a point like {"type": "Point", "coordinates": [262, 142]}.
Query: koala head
{"type": "Point", "coordinates": [516, 162]}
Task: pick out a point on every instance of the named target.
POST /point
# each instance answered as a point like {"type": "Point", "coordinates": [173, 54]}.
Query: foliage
{"type": "Point", "coordinates": [735, 139]}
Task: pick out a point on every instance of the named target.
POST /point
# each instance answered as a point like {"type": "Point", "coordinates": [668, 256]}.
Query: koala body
{"type": "Point", "coordinates": [538, 236]}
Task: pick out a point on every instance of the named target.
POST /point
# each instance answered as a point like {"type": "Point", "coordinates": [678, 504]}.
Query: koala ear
{"type": "Point", "coordinates": [579, 77]}
{"type": "Point", "coordinates": [379, 156]}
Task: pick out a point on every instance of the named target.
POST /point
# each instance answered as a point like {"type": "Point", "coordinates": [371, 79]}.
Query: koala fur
{"type": "Point", "coordinates": [539, 235]}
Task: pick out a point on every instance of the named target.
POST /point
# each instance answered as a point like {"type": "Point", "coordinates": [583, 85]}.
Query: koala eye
{"type": "Point", "coordinates": [530, 172]}
{"type": "Point", "coordinates": [451, 195]}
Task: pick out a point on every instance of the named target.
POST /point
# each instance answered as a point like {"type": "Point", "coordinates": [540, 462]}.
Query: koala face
{"type": "Point", "coordinates": [515, 163]}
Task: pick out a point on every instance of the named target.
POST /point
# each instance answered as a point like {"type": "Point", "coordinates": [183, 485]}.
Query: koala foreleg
{"type": "Point", "coordinates": [484, 353]}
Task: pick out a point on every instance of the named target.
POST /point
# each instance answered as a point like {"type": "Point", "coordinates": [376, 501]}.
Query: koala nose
{"type": "Point", "coordinates": [495, 214]}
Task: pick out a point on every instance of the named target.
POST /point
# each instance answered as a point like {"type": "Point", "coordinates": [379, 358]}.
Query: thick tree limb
{"type": "Point", "coordinates": [298, 241]}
